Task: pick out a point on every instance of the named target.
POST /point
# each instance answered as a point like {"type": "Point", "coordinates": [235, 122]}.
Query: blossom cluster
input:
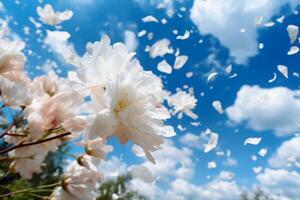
{"type": "Point", "coordinates": [109, 94]}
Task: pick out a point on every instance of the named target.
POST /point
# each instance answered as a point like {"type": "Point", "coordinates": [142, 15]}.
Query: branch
{"type": "Point", "coordinates": [22, 144]}
{"type": "Point", "coordinates": [6, 130]}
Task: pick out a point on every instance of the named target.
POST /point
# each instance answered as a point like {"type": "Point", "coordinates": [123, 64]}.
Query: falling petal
{"type": "Point", "coordinates": [180, 61]}
{"type": "Point", "coordinates": [164, 67]}
{"type": "Point", "coordinates": [218, 106]}
{"type": "Point", "coordinates": [269, 24]}
{"type": "Point", "coordinates": [233, 75]}
{"type": "Point", "coordinates": [149, 18]}
{"type": "Point", "coordinates": [261, 46]}
{"type": "Point", "coordinates": [296, 74]}
{"type": "Point", "coordinates": [280, 19]}
{"type": "Point", "coordinates": [160, 48]}
{"type": "Point", "coordinates": [253, 141]}
{"type": "Point", "coordinates": [228, 69]}
{"type": "Point", "coordinates": [257, 170]}
{"type": "Point", "coordinates": [263, 152]}
{"type": "Point", "coordinates": [283, 70]}
{"type": "Point", "coordinates": [293, 50]}
{"type": "Point", "coordinates": [273, 79]}
{"type": "Point", "coordinates": [293, 32]}
{"type": "Point", "coordinates": [212, 143]}
{"type": "Point", "coordinates": [142, 33]}
{"type": "Point", "coordinates": [58, 35]}
{"type": "Point", "coordinates": [211, 76]}
{"type": "Point", "coordinates": [185, 36]}
{"type": "Point", "coordinates": [211, 165]}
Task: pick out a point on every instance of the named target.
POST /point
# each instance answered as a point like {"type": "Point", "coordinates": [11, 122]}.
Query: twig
{"type": "Point", "coordinates": [22, 144]}
{"type": "Point", "coordinates": [6, 130]}
{"type": "Point", "coordinates": [16, 135]}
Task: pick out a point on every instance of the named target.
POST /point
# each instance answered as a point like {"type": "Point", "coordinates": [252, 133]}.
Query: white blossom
{"type": "Point", "coordinates": [11, 57]}
{"type": "Point", "coordinates": [78, 184]}
{"type": "Point", "coordinates": [133, 111]}
{"type": "Point", "coordinates": [183, 102]}
{"type": "Point", "coordinates": [50, 17]}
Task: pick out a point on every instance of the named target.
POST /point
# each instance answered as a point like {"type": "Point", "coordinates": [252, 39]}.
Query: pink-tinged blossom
{"type": "Point", "coordinates": [78, 184]}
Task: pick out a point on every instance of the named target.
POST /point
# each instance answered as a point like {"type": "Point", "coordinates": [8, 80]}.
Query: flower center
{"type": "Point", "coordinates": [121, 105]}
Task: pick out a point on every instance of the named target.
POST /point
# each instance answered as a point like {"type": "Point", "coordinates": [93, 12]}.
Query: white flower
{"type": "Point", "coordinates": [132, 111]}
{"type": "Point", "coordinates": [11, 57]}
{"type": "Point", "coordinates": [102, 62]}
{"type": "Point", "coordinates": [13, 93]}
{"type": "Point", "coordinates": [78, 184]}
{"type": "Point", "coordinates": [46, 112]}
{"type": "Point", "coordinates": [183, 103]}
{"type": "Point", "coordinates": [88, 162]}
{"type": "Point", "coordinates": [27, 160]}
{"type": "Point", "coordinates": [50, 17]}
{"type": "Point", "coordinates": [97, 147]}
{"type": "Point", "coordinates": [45, 84]}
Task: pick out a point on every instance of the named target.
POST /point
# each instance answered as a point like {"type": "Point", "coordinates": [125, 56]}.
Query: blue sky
{"type": "Point", "coordinates": [222, 40]}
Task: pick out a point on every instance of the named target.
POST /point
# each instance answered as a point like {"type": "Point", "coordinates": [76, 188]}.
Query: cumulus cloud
{"type": "Point", "coordinates": [225, 18]}
{"type": "Point", "coordinates": [168, 5]}
{"type": "Point", "coordinates": [276, 109]}
{"type": "Point", "coordinates": [2, 9]}
{"type": "Point", "coordinates": [82, 2]}
{"type": "Point", "coordinates": [113, 168]}
{"type": "Point", "coordinates": [215, 190]}
{"type": "Point", "coordinates": [152, 191]}
{"type": "Point", "coordinates": [181, 189]}
{"type": "Point", "coordinates": [194, 141]}
{"type": "Point", "coordinates": [287, 155]}
{"type": "Point", "coordinates": [130, 40]}
{"type": "Point", "coordinates": [174, 170]}
{"type": "Point", "coordinates": [280, 184]}
{"type": "Point", "coordinates": [171, 162]}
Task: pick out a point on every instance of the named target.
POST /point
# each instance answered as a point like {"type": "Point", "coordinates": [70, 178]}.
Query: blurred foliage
{"type": "Point", "coordinates": [118, 190]}
{"type": "Point", "coordinates": [258, 194]}
{"type": "Point", "coordinates": [52, 168]}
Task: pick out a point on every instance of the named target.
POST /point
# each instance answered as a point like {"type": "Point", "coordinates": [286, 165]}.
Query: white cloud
{"type": "Point", "coordinates": [171, 162]}
{"type": "Point", "coordinates": [194, 141]}
{"type": "Point", "coordinates": [225, 18]}
{"type": "Point", "coordinates": [61, 47]}
{"type": "Point", "coordinates": [230, 162]}
{"type": "Point", "coordinates": [2, 9]}
{"type": "Point", "coordinates": [287, 154]}
{"type": "Point", "coordinates": [168, 5]}
{"type": "Point", "coordinates": [173, 170]}
{"type": "Point", "coordinates": [181, 189]}
{"type": "Point", "coordinates": [112, 168]}
{"type": "Point", "coordinates": [215, 190]}
{"type": "Point", "coordinates": [152, 191]}
{"type": "Point", "coordinates": [276, 109]}
{"type": "Point", "coordinates": [81, 2]}
{"type": "Point", "coordinates": [280, 184]}
{"type": "Point", "coordinates": [226, 175]}
{"type": "Point", "coordinates": [130, 40]}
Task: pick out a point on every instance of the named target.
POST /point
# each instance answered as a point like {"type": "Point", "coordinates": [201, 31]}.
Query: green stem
{"type": "Point", "coordinates": [36, 195]}
{"type": "Point", "coordinates": [36, 189]}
